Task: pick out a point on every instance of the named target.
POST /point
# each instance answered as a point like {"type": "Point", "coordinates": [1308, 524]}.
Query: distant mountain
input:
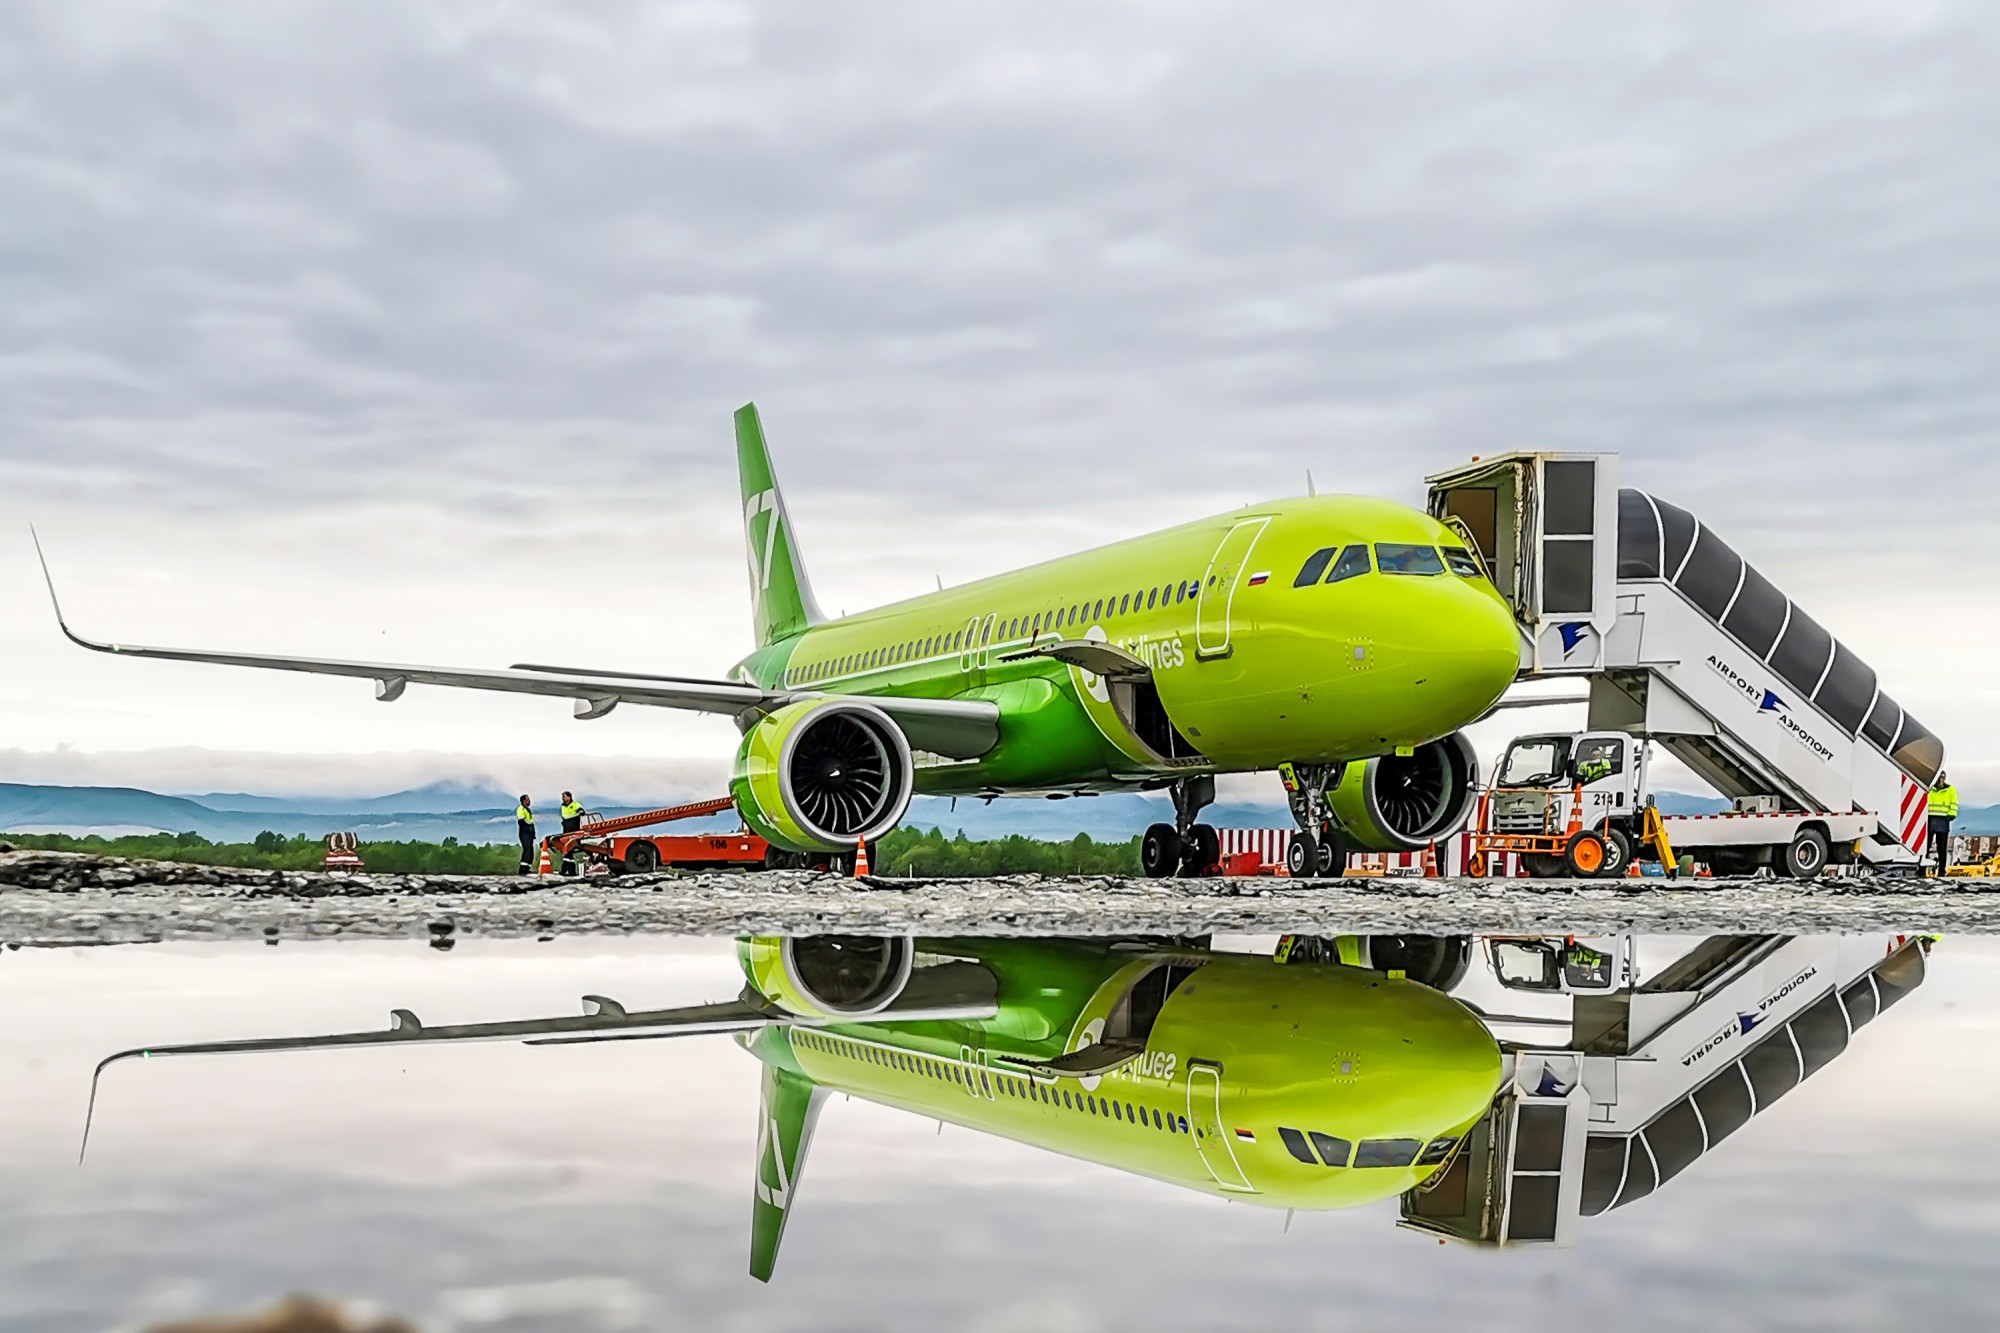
{"type": "Point", "coordinates": [434, 813]}
{"type": "Point", "coordinates": [436, 798]}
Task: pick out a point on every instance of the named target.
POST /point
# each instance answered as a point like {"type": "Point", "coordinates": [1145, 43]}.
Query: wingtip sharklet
{"type": "Point", "coordinates": [62, 624]}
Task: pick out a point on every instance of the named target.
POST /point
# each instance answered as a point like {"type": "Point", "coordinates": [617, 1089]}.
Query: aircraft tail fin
{"type": "Point", "coordinates": [781, 600]}
{"type": "Point", "coordinates": [789, 1109]}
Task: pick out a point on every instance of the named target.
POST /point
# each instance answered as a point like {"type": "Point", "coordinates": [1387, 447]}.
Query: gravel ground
{"type": "Point", "coordinates": [58, 898]}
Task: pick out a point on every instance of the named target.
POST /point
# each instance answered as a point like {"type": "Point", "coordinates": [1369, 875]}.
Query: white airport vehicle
{"type": "Point", "coordinates": [1650, 1077]}
{"type": "Point", "coordinates": [1553, 793]}
{"type": "Point", "coordinates": [1682, 642]}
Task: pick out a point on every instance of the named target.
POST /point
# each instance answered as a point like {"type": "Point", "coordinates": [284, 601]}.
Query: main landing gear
{"type": "Point", "coordinates": [1317, 851]}
{"type": "Point", "coordinates": [1183, 847]}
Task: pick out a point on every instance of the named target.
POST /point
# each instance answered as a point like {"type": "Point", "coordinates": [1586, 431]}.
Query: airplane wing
{"type": "Point", "coordinates": [955, 990]}
{"type": "Point", "coordinates": [956, 728]}
{"type": "Point", "coordinates": [1102, 659]}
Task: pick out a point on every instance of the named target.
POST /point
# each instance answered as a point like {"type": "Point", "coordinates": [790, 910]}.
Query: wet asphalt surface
{"type": "Point", "coordinates": [63, 899]}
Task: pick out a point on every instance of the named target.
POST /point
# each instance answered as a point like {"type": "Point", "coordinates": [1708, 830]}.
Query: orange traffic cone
{"type": "Point", "coordinates": [861, 858]}
{"type": "Point", "coordinates": [544, 868]}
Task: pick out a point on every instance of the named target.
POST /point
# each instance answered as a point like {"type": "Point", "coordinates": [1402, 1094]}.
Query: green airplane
{"type": "Point", "coordinates": [1291, 1087]}
{"type": "Point", "coordinates": [1340, 640]}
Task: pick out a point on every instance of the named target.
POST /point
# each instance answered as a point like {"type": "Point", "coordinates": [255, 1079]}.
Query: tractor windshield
{"type": "Point", "coordinates": [1535, 761]}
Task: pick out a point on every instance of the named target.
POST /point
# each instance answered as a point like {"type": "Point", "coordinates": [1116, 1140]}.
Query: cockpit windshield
{"type": "Point", "coordinates": [1535, 761]}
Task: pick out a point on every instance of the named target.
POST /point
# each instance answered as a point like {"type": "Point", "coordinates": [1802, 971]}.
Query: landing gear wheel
{"type": "Point", "coordinates": [1617, 853]}
{"type": "Point", "coordinates": [1200, 851]}
{"type": "Point", "coordinates": [1585, 856]}
{"type": "Point", "coordinates": [1806, 857]}
{"type": "Point", "coordinates": [1160, 852]}
{"type": "Point", "coordinates": [642, 858]}
{"type": "Point", "coordinates": [1302, 856]}
{"type": "Point", "coordinates": [1332, 855]}
{"type": "Point", "coordinates": [1542, 866]}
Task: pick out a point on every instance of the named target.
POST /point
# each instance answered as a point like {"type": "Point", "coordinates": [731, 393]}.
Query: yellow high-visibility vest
{"type": "Point", "coordinates": [1944, 801]}
{"type": "Point", "coordinates": [571, 810]}
{"type": "Point", "coordinates": [524, 814]}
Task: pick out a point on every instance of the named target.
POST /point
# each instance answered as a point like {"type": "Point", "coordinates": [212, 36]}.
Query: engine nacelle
{"type": "Point", "coordinates": [821, 774]}
{"type": "Point", "coordinates": [1403, 803]}
{"type": "Point", "coordinates": [828, 976]}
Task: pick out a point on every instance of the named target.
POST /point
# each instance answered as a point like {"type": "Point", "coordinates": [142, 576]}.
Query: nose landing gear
{"type": "Point", "coordinates": [1183, 848]}
{"type": "Point", "coordinates": [1317, 851]}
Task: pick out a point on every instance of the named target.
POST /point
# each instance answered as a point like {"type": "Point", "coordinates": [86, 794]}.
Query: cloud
{"type": "Point", "coordinates": [1005, 283]}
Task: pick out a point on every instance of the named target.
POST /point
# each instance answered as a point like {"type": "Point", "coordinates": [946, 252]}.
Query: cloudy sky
{"type": "Point", "coordinates": [411, 331]}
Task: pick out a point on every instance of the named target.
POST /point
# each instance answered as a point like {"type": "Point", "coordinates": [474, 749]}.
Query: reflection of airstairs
{"type": "Point", "coordinates": [1683, 641]}
{"type": "Point", "coordinates": [1654, 1077]}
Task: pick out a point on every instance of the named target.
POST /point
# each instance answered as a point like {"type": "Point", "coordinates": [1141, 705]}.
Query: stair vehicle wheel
{"type": "Point", "coordinates": [642, 858]}
{"type": "Point", "coordinates": [1543, 866]}
{"type": "Point", "coordinates": [1332, 855]}
{"type": "Point", "coordinates": [1202, 850]}
{"type": "Point", "coordinates": [1617, 852]}
{"type": "Point", "coordinates": [1160, 852]}
{"type": "Point", "coordinates": [1806, 857]}
{"type": "Point", "coordinates": [1302, 856]}
{"type": "Point", "coordinates": [1586, 855]}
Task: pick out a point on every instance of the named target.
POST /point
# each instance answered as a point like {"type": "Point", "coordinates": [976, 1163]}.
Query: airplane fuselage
{"type": "Point", "coordinates": [1246, 668]}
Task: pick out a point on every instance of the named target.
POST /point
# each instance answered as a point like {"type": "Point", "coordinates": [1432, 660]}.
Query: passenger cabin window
{"type": "Point", "coordinates": [1463, 563]}
{"type": "Point", "coordinates": [1315, 565]}
{"type": "Point", "coordinates": [1124, 603]}
{"type": "Point", "coordinates": [1152, 596]}
{"type": "Point", "coordinates": [1399, 558]}
{"type": "Point", "coordinates": [1353, 562]}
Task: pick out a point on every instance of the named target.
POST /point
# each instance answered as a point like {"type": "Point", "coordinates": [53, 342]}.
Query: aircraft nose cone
{"type": "Point", "coordinates": [1475, 649]}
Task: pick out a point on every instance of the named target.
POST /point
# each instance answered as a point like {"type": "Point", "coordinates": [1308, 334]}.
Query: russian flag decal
{"type": "Point", "coordinates": [1246, 1136]}
{"type": "Point", "coordinates": [1261, 576]}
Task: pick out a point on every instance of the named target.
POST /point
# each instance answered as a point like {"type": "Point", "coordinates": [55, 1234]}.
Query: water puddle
{"type": "Point", "coordinates": [895, 1132]}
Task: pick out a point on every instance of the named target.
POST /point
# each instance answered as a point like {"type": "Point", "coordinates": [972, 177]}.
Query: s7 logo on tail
{"type": "Point", "coordinates": [763, 502]}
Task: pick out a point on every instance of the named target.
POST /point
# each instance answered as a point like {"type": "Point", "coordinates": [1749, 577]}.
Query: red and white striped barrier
{"type": "Point", "coordinates": [1271, 844]}
{"type": "Point", "coordinates": [1915, 812]}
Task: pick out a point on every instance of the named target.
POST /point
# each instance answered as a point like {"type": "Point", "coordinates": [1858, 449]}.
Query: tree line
{"type": "Point", "coordinates": [905, 851]}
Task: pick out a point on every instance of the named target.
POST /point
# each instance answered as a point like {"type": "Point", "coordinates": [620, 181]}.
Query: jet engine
{"type": "Point", "coordinates": [828, 976]}
{"type": "Point", "coordinates": [821, 774]}
{"type": "Point", "coordinates": [1403, 803]}
{"type": "Point", "coordinates": [1437, 961]}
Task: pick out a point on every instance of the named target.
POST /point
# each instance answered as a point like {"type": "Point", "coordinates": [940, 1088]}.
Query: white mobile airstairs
{"type": "Point", "coordinates": [1653, 1077]}
{"type": "Point", "coordinates": [1685, 643]}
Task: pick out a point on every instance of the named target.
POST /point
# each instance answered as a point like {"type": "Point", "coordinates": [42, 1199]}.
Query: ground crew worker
{"type": "Point", "coordinates": [524, 824]}
{"type": "Point", "coordinates": [1944, 809]}
{"type": "Point", "coordinates": [1594, 763]}
{"type": "Point", "coordinates": [572, 820]}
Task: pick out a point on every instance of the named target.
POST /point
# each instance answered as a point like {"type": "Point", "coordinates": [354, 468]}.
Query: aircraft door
{"type": "Point", "coordinates": [1219, 584]}
{"type": "Point", "coordinates": [1212, 1139]}
{"type": "Point", "coordinates": [968, 650]}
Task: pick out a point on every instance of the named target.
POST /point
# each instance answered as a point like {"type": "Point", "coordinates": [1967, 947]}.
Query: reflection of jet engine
{"type": "Point", "coordinates": [1402, 803]}
{"type": "Point", "coordinates": [1437, 961]}
{"type": "Point", "coordinates": [821, 774]}
{"type": "Point", "coordinates": [829, 976]}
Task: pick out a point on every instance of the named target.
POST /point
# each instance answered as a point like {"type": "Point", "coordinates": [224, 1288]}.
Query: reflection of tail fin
{"type": "Point", "coordinates": [789, 1110]}
{"type": "Point", "coordinates": [781, 601]}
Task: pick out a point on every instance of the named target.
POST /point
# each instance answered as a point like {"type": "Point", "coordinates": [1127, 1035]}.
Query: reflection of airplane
{"type": "Point", "coordinates": [1319, 632]}
{"type": "Point", "coordinates": [1292, 1087]}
